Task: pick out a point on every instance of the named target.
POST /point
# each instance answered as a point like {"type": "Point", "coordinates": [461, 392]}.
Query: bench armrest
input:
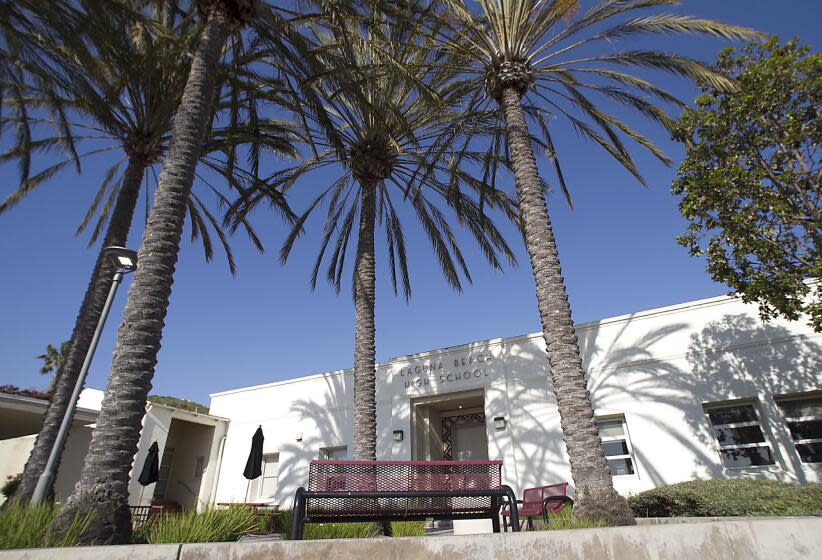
{"type": "Point", "coordinates": [505, 505]}
{"type": "Point", "coordinates": [564, 499]}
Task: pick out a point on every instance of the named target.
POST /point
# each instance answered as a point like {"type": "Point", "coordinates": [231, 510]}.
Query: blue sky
{"type": "Point", "coordinates": [617, 247]}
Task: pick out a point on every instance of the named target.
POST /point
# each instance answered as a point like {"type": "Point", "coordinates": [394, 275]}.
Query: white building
{"type": "Point", "coordinates": [188, 441]}
{"type": "Point", "coordinates": [693, 391]}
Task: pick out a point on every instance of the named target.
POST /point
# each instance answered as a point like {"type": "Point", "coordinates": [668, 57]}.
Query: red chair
{"type": "Point", "coordinates": [541, 501]}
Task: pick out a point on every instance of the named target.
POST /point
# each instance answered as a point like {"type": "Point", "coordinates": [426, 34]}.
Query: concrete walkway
{"type": "Point", "coordinates": [749, 539]}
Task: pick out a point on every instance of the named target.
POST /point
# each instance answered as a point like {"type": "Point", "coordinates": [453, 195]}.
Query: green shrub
{"type": "Point", "coordinates": [28, 526]}
{"type": "Point", "coordinates": [720, 498]}
{"type": "Point", "coordinates": [407, 528]}
{"type": "Point", "coordinates": [209, 525]}
{"type": "Point", "coordinates": [10, 485]}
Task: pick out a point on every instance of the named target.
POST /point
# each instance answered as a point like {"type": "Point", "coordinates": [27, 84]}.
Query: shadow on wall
{"type": "Point", "coordinates": [729, 361]}
{"type": "Point", "coordinates": [734, 357]}
{"type": "Point", "coordinates": [324, 422]}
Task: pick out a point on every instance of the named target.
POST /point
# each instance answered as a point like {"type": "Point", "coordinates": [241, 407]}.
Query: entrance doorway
{"type": "Point", "coordinates": [449, 427]}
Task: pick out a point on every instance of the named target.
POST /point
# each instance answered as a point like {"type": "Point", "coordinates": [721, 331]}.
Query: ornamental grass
{"type": "Point", "coordinates": [27, 526]}
{"type": "Point", "coordinates": [209, 525]}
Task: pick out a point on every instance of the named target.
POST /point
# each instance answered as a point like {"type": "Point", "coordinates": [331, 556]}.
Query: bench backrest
{"type": "Point", "coordinates": [402, 476]}
{"type": "Point", "coordinates": [535, 496]}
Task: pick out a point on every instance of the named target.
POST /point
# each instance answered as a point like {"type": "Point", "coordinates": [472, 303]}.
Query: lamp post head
{"type": "Point", "coordinates": [122, 258]}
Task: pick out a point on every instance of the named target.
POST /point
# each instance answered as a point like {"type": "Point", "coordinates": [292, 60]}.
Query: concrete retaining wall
{"type": "Point", "coordinates": [752, 539]}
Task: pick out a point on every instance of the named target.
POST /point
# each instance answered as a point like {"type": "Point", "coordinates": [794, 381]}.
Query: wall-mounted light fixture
{"type": "Point", "coordinates": [300, 436]}
{"type": "Point", "coordinates": [499, 423]}
{"type": "Point", "coordinates": [398, 435]}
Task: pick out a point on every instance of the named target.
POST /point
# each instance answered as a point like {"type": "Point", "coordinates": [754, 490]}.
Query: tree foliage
{"type": "Point", "coordinates": [53, 357]}
{"type": "Point", "coordinates": [549, 49]}
{"type": "Point", "coordinates": [749, 185]}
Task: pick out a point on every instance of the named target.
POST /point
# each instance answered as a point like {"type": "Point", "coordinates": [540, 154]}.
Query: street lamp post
{"type": "Point", "coordinates": [125, 261]}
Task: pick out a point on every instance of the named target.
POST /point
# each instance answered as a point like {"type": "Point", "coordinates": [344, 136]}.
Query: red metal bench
{"type": "Point", "coordinates": [540, 500]}
{"type": "Point", "coordinates": [352, 491]}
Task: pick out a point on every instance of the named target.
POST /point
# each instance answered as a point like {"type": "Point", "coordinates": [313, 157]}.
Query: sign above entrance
{"type": "Point", "coordinates": [454, 370]}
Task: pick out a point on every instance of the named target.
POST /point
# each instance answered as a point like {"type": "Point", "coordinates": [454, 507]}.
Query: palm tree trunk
{"type": "Point", "coordinates": [66, 375]}
{"type": "Point", "coordinates": [102, 490]}
{"type": "Point", "coordinates": [595, 493]}
{"type": "Point", "coordinates": [365, 382]}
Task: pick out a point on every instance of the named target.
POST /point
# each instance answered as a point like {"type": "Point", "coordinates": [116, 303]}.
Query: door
{"type": "Point", "coordinates": [470, 442]}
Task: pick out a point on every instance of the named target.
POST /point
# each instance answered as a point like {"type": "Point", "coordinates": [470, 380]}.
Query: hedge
{"type": "Point", "coordinates": [721, 498]}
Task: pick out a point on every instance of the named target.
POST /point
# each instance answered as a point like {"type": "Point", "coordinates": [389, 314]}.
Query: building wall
{"type": "Point", "coordinates": [655, 368]}
{"type": "Point", "coordinates": [15, 452]}
{"type": "Point", "coordinates": [194, 435]}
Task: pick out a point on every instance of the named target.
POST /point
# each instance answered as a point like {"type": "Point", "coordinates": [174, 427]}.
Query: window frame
{"type": "Point", "coordinates": [626, 437]}
{"type": "Point", "coordinates": [753, 403]}
{"type": "Point", "coordinates": [812, 395]}
{"type": "Point", "coordinates": [255, 487]}
{"type": "Point", "coordinates": [323, 452]}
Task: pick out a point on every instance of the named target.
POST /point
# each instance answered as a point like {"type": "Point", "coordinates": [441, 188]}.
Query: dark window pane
{"type": "Point", "coordinates": [621, 466]}
{"type": "Point", "coordinates": [739, 436]}
{"type": "Point", "coordinates": [810, 452]}
{"type": "Point", "coordinates": [746, 457]}
{"type": "Point", "coordinates": [811, 429]}
{"type": "Point", "coordinates": [614, 448]}
{"type": "Point", "coordinates": [732, 414]}
{"type": "Point", "coordinates": [805, 407]}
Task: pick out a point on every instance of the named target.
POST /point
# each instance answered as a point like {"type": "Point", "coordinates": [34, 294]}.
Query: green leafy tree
{"type": "Point", "coordinates": [384, 111]}
{"type": "Point", "coordinates": [101, 75]}
{"type": "Point", "coordinates": [750, 184]}
{"type": "Point", "coordinates": [535, 61]}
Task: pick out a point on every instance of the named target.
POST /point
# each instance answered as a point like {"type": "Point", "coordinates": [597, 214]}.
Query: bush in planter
{"type": "Point", "coordinates": [407, 528]}
{"type": "Point", "coordinates": [10, 485]}
{"type": "Point", "coordinates": [28, 526]}
{"type": "Point", "coordinates": [565, 520]}
{"type": "Point", "coordinates": [209, 525]}
{"type": "Point", "coordinates": [720, 498]}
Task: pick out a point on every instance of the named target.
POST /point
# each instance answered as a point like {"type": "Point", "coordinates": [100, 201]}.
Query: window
{"type": "Point", "coordinates": [264, 487]}
{"type": "Point", "coordinates": [616, 446]}
{"type": "Point", "coordinates": [199, 467]}
{"type": "Point", "coordinates": [164, 472]}
{"type": "Point", "coordinates": [804, 418]}
{"type": "Point", "coordinates": [334, 453]}
{"type": "Point", "coordinates": [739, 435]}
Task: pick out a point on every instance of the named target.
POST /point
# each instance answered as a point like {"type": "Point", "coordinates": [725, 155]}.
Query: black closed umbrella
{"type": "Point", "coordinates": [151, 469]}
{"type": "Point", "coordinates": [254, 465]}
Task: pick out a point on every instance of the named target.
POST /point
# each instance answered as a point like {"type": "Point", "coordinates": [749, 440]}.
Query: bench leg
{"type": "Point", "coordinates": [504, 523]}
{"type": "Point", "coordinates": [512, 506]}
{"type": "Point", "coordinates": [298, 515]}
{"type": "Point", "coordinates": [495, 522]}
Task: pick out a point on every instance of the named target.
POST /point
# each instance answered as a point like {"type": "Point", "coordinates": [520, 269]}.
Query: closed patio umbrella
{"type": "Point", "coordinates": [151, 469]}
{"type": "Point", "coordinates": [254, 465]}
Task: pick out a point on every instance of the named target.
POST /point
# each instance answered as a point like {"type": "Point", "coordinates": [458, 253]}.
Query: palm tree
{"type": "Point", "coordinates": [102, 491]}
{"type": "Point", "coordinates": [520, 55]}
{"type": "Point", "coordinates": [387, 119]}
{"type": "Point", "coordinates": [105, 75]}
